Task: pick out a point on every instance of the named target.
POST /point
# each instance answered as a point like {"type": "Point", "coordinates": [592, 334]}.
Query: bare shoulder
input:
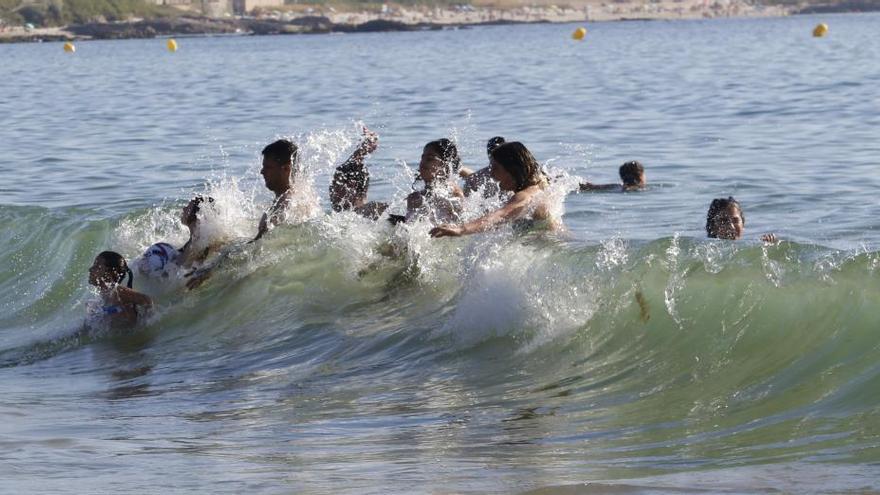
{"type": "Point", "coordinates": [131, 296]}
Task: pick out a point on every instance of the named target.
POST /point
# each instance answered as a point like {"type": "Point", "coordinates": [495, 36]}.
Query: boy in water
{"type": "Point", "coordinates": [278, 161]}
{"type": "Point", "coordinates": [632, 174]}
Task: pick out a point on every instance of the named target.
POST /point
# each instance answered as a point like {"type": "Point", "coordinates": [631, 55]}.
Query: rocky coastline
{"type": "Point", "coordinates": [188, 25]}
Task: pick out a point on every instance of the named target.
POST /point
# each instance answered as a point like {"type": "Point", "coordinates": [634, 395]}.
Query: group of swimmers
{"type": "Point", "coordinates": [513, 175]}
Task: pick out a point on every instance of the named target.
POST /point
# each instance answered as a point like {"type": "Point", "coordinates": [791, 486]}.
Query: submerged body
{"type": "Point", "coordinates": [121, 305]}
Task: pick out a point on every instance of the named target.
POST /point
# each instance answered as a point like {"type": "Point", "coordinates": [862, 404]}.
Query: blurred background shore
{"type": "Point", "coordinates": [56, 20]}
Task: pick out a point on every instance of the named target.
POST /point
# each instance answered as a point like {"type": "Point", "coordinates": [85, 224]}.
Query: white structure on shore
{"type": "Point", "coordinates": [220, 8]}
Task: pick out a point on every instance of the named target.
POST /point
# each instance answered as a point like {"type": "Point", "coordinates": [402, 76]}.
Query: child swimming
{"type": "Point", "coordinates": [725, 220]}
{"type": "Point", "coordinates": [122, 305]}
{"type": "Point", "coordinates": [440, 200]}
{"type": "Point", "coordinates": [351, 182]}
{"type": "Point", "coordinates": [482, 179]}
{"type": "Point", "coordinates": [516, 171]}
{"type": "Point", "coordinates": [159, 258]}
{"type": "Point", "coordinates": [632, 176]}
{"type": "Point", "coordinates": [279, 159]}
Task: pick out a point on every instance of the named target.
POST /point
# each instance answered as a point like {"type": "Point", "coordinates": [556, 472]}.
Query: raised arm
{"type": "Point", "coordinates": [367, 146]}
{"type": "Point", "coordinates": [513, 210]}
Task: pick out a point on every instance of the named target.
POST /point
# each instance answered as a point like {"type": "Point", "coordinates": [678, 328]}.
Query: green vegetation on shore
{"type": "Point", "coordinates": [45, 13]}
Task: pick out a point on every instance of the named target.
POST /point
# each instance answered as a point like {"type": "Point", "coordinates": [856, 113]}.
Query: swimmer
{"type": "Point", "coordinates": [440, 200]}
{"type": "Point", "coordinates": [482, 179]}
{"type": "Point", "coordinates": [194, 252]}
{"type": "Point", "coordinates": [725, 220]}
{"type": "Point", "coordinates": [158, 257]}
{"type": "Point", "coordinates": [351, 181]}
{"type": "Point", "coordinates": [516, 171]}
{"type": "Point", "coordinates": [279, 159]}
{"type": "Point", "coordinates": [632, 174]}
{"type": "Point", "coordinates": [121, 304]}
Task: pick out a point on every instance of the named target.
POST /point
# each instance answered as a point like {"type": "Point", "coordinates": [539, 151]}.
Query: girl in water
{"type": "Point", "coordinates": [725, 220]}
{"type": "Point", "coordinates": [440, 200]}
{"type": "Point", "coordinates": [517, 172]}
{"type": "Point", "coordinates": [122, 305]}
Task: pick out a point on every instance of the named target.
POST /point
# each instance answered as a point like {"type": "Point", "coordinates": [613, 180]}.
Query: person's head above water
{"type": "Point", "coordinates": [725, 219]}
{"type": "Point", "coordinates": [348, 188]}
{"type": "Point", "coordinates": [109, 269]}
{"type": "Point", "coordinates": [189, 216]}
{"type": "Point", "coordinates": [514, 167]}
{"type": "Point", "coordinates": [278, 161]}
{"type": "Point", "coordinates": [632, 174]}
{"type": "Point", "coordinates": [439, 161]}
{"type": "Point", "coordinates": [494, 143]}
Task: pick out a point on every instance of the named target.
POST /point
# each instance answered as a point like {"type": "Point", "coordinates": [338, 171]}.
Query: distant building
{"type": "Point", "coordinates": [242, 7]}
{"type": "Point", "coordinates": [211, 8]}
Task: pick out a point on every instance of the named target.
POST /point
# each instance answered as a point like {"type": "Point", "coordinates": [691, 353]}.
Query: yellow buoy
{"type": "Point", "coordinates": [820, 30]}
{"type": "Point", "coordinates": [579, 33]}
{"type": "Point", "coordinates": [69, 47]}
{"type": "Point", "coordinates": [172, 45]}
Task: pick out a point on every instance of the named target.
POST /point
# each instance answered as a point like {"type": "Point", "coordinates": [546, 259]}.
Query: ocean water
{"type": "Point", "coordinates": [627, 354]}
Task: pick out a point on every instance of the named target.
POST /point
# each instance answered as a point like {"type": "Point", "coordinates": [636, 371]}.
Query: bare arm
{"type": "Point", "coordinates": [367, 146]}
{"type": "Point", "coordinates": [510, 211]}
{"type": "Point", "coordinates": [274, 216]}
{"type": "Point", "coordinates": [589, 186]}
{"type": "Point", "coordinates": [263, 227]}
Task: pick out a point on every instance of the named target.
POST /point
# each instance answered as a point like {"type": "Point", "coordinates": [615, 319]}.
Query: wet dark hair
{"type": "Point", "coordinates": [196, 203]}
{"type": "Point", "coordinates": [631, 172]}
{"type": "Point", "coordinates": [717, 206]}
{"type": "Point", "coordinates": [116, 263]}
{"type": "Point", "coordinates": [352, 175]}
{"type": "Point", "coordinates": [519, 163]}
{"type": "Point", "coordinates": [494, 143]}
{"type": "Point", "coordinates": [282, 151]}
{"type": "Point", "coordinates": [448, 153]}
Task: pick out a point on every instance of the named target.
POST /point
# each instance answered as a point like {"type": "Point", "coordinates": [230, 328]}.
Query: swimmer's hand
{"type": "Point", "coordinates": [770, 238]}
{"type": "Point", "coordinates": [446, 231]}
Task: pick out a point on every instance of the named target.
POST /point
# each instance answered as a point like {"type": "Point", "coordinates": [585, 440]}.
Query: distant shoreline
{"type": "Point", "coordinates": [414, 19]}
